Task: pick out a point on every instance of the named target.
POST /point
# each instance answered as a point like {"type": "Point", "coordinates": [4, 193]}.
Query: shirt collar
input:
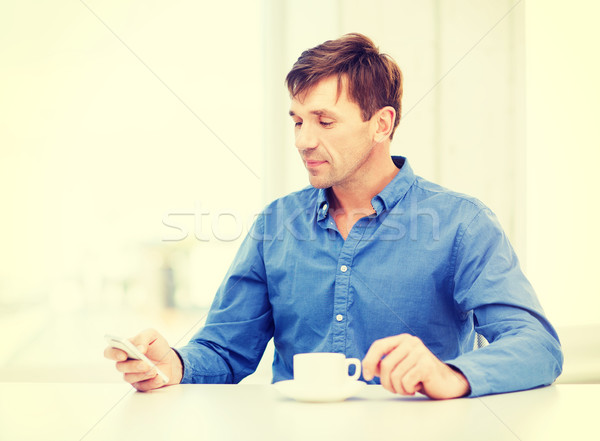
{"type": "Point", "coordinates": [322, 204]}
{"type": "Point", "coordinates": [387, 198]}
{"type": "Point", "coordinates": [397, 188]}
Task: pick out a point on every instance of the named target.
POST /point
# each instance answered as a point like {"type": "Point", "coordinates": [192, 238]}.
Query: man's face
{"type": "Point", "coordinates": [332, 139]}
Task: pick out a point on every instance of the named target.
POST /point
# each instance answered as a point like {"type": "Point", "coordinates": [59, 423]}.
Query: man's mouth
{"type": "Point", "coordinates": [311, 163]}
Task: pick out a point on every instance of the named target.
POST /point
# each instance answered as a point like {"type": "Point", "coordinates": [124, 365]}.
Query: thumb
{"type": "Point", "coordinates": [151, 344]}
{"type": "Point", "coordinates": [144, 339]}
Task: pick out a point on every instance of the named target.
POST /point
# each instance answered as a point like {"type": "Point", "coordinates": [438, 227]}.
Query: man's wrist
{"type": "Point", "coordinates": [178, 367]}
{"type": "Point", "coordinates": [463, 386]}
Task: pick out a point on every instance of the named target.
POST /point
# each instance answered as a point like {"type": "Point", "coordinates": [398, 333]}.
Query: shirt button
{"type": "Point", "coordinates": [343, 268]}
{"type": "Point", "coordinates": [339, 317]}
{"type": "Point", "coordinates": [324, 207]}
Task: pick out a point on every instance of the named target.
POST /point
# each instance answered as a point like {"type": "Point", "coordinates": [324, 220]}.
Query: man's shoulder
{"type": "Point", "coordinates": [439, 194]}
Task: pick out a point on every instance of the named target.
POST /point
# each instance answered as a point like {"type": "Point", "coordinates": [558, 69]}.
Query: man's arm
{"type": "Point", "coordinates": [524, 350]}
{"type": "Point", "coordinates": [228, 347]}
{"type": "Point", "coordinates": [239, 324]}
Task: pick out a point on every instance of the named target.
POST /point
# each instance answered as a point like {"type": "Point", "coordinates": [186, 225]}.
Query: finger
{"type": "Point", "coordinates": [114, 354]}
{"type": "Point", "coordinates": [397, 375]}
{"type": "Point", "coordinates": [378, 349]}
{"type": "Point", "coordinates": [389, 364]}
{"type": "Point", "coordinates": [133, 366]}
{"type": "Point", "coordinates": [146, 385]}
{"type": "Point", "coordinates": [138, 377]}
{"type": "Point", "coordinates": [411, 382]}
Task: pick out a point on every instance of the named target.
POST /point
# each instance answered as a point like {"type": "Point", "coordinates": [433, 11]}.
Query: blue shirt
{"type": "Point", "coordinates": [430, 262]}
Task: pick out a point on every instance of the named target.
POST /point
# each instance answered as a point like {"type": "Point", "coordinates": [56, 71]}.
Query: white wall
{"type": "Point", "coordinates": [113, 116]}
{"type": "Point", "coordinates": [563, 151]}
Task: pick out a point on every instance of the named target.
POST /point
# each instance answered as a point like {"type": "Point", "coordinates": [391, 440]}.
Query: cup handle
{"type": "Point", "coordinates": [357, 365]}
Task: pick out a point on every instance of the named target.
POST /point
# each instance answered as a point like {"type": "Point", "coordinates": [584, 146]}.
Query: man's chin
{"type": "Point", "coordinates": [318, 183]}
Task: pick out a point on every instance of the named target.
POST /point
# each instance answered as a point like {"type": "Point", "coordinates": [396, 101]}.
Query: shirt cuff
{"type": "Point", "coordinates": [478, 383]}
{"type": "Point", "coordinates": [182, 364]}
{"type": "Point", "coordinates": [196, 369]}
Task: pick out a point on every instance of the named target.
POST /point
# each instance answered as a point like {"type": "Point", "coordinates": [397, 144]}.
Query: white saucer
{"type": "Point", "coordinates": [318, 394]}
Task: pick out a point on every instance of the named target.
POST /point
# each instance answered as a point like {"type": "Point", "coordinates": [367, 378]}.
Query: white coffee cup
{"type": "Point", "coordinates": [324, 368]}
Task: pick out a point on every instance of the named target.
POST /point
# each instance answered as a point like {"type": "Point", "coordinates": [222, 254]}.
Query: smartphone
{"type": "Point", "coordinates": [133, 352]}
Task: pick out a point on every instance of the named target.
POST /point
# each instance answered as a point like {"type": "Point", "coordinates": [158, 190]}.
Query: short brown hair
{"type": "Point", "coordinates": [374, 79]}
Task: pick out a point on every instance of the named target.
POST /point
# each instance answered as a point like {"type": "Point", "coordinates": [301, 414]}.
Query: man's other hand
{"type": "Point", "coordinates": [137, 372]}
{"type": "Point", "coordinates": [405, 366]}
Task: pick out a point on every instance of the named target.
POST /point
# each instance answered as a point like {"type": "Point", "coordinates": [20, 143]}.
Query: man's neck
{"type": "Point", "coordinates": [355, 197]}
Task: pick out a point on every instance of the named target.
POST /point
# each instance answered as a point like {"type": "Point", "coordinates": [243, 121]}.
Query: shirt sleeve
{"type": "Point", "coordinates": [524, 350]}
{"type": "Point", "coordinates": [239, 323]}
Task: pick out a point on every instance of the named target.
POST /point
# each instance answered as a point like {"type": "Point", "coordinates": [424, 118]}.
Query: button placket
{"type": "Point", "coordinates": [342, 288]}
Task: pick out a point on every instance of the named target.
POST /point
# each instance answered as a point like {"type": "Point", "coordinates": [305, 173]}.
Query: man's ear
{"type": "Point", "coordinates": [384, 123]}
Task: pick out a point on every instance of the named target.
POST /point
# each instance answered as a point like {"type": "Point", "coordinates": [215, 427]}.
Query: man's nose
{"type": "Point", "coordinates": [306, 138]}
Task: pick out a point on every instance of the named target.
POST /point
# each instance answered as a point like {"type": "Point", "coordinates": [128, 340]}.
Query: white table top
{"type": "Point", "coordinates": [111, 411]}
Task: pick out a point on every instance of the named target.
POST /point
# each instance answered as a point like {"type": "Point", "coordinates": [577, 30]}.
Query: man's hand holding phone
{"type": "Point", "coordinates": [146, 360]}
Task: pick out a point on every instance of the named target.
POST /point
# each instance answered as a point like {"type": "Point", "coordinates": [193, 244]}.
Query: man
{"type": "Point", "coordinates": [371, 261]}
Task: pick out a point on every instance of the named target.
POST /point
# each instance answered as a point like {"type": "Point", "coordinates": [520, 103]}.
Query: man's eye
{"type": "Point", "coordinates": [326, 124]}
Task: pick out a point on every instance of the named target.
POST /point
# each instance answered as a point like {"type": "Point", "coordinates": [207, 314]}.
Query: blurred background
{"type": "Point", "coordinates": [139, 138]}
